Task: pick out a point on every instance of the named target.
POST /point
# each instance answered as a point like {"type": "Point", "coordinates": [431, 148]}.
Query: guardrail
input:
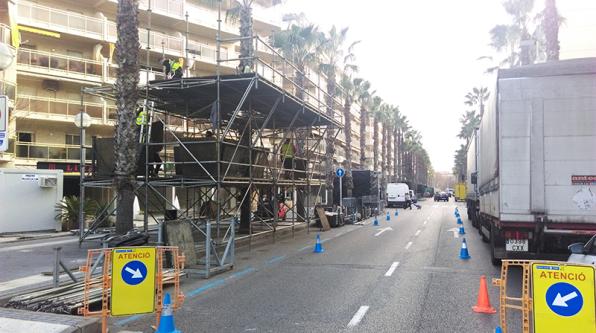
{"type": "Point", "coordinates": [58, 64]}
{"type": "Point", "coordinates": [45, 151]}
{"type": "Point", "coordinates": [55, 107]}
{"type": "Point", "coordinates": [60, 20]}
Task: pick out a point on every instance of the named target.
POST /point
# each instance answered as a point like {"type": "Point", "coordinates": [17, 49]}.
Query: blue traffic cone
{"type": "Point", "coordinates": [456, 214]}
{"type": "Point", "coordinates": [166, 321]}
{"type": "Point", "coordinates": [498, 330]}
{"type": "Point", "coordinates": [463, 253]}
{"type": "Point", "coordinates": [456, 210]}
{"type": "Point", "coordinates": [388, 217]}
{"type": "Point", "coordinates": [318, 246]}
{"type": "Point", "coordinates": [376, 222]}
{"type": "Point", "coordinates": [461, 230]}
{"type": "Point", "coordinates": [396, 213]}
{"type": "Point", "coordinates": [459, 221]}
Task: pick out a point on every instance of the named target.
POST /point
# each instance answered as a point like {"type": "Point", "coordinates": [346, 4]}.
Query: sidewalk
{"type": "Point", "coordinates": [27, 236]}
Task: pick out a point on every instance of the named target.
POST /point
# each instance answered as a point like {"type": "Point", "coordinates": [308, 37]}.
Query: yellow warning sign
{"type": "Point", "coordinates": [133, 281]}
{"type": "Point", "coordinates": [563, 298]}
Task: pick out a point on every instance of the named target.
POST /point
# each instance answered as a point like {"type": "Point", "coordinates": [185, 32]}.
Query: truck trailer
{"type": "Point", "coordinates": [536, 160]}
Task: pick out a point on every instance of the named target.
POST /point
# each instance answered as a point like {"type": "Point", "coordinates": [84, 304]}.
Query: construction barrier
{"type": "Point", "coordinates": [99, 286]}
{"type": "Point", "coordinates": [555, 296]}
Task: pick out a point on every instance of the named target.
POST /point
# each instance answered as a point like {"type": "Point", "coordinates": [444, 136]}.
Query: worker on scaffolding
{"type": "Point", "coordinates": [142, 122]}
{"type": "Point", "coordinates": [173, 68]}
{"type": "Point", "coordinates": [288, 151]}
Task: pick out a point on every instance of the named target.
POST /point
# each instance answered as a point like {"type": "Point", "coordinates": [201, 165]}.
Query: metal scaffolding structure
{"type": "Point", "coordinates": [234, 155]}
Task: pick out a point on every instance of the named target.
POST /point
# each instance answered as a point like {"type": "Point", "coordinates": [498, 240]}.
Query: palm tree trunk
{"type": "Point", "coordinates": [551, 30]}
{"type": "Point", "coordinates": [384, 155]}
{"type": "Point", "coordinates": [375, 143]}
{"type": "Point", "coordinates": [400, 148]}
{"type": "Point", "coordinates": [330, 137]}
{"type": "Point", "coordinates": [127, 80]}
{"type": "Point", "coordinates": [363, 118]}
{"type": "Point", "coordinates": [246, 33]}
{"type": "Point", "coordinates": [389, 154]}
{"type": "Point", "coordinates": [395, 154]}
{"type": "Point", "coordinates": [348, 132]}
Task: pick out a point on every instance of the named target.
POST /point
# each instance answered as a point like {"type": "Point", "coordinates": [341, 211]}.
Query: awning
{"type": "Point", "coordinates": [39, 31]}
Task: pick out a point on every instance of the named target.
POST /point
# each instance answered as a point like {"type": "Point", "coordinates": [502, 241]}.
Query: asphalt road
{"type": "Point", "coordinates": [407, 279]}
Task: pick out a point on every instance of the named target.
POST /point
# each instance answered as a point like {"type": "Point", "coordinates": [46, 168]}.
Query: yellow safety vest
{"type": "Point", "coordinates": [142, 118]}
{"type": "Point", "coordinates": [287, 149]}
{"type": "Point", "coordinates": [176, 65]}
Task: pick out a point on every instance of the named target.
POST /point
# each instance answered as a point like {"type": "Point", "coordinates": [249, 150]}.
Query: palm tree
{"type": "Point", "coordinates": [478, 96]}
{"type": "Point", "coordinates": [301, 46]}
{"type": "Point", "coordinates": [127, 80]}
{"type": "Point", "coordinates": [404, 127]}
{"type": "Point", "coordinates": [550, 26]}
{"type": "Point", "coordinates": [364, 96]}
{"type": "Point", "coordinates": [349, 92]}
{"type": "Point", "coordinates": [242, 12]}
{"type": "Point", "coordinates": [469, 122]}
{"type": "Point", "coordinates": [335, 57]}
{"type": "Point", "coordinates": [397, 124]}
{"type": "Point", "coordinates": [515, 37]}
{"type": "Point", "coordinates": [376, 111]}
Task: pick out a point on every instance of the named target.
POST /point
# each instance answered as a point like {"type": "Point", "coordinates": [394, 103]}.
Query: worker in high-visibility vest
{"type": "Point", "coordinates": [288, 151]}
{"type": "Point", "coordinates": [177, 68]}
{"type": "Point", "coordinates": [173, 68]}
{"type": "Point", "coordinates": [142, 118]}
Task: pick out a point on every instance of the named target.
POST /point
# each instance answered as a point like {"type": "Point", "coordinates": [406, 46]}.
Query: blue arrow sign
{"type": "Point", "coordinates": [134, 272]}
{"type": "Point", "coordinates": [564, 299]}
{"type": "Point", "coordinates": [340, 172]}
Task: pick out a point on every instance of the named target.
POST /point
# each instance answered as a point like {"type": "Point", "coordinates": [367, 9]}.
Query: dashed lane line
{"type": "Point", "coordinates": [408, 245]}
{"type": "Point", "coordinates": [417, 232]}
{"type": "Point", "coordinates": [358, 316]}
{"type": "Point", "coordinates": [392, 269]}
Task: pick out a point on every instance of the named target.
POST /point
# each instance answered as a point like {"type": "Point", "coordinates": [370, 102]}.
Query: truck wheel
{"type": "Point", "coordinates": [494, 260]}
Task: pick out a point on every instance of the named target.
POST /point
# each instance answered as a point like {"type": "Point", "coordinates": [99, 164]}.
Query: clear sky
{"type": "Point", "coordinates": [422, 55]}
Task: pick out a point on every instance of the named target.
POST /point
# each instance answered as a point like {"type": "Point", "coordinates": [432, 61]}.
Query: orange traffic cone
{"type": "Point", "coordinates": [483, 303]}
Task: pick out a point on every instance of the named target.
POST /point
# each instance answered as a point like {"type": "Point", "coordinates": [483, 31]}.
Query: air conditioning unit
{"type": "Point", "coordinates": [48, 181]}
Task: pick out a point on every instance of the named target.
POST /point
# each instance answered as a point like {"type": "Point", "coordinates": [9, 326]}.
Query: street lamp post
{"type": "Point", "coordinates": [82, 121]}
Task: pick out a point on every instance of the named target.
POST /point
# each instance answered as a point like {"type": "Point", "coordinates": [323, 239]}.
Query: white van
{"type": "Point", "coordinates": [396, 194]}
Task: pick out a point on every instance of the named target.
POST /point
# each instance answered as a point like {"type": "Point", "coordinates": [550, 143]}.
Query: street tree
{"type": "Point", "coordinates": [335, 54]}
{"type": "Point", "coordinates": [126, 142]}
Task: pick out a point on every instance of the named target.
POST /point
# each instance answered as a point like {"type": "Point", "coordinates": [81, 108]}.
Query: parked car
{"type": "Point", "coordinates": [441, 196]}
{"type": "Point", "coordinates": [583, 253]}
{"type": "Point", "coordinates": [396, 194]}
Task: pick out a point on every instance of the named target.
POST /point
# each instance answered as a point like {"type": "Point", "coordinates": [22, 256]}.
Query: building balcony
{"type": "Point", "coordinates": [45, 17]}
{"type": "Point", "coordinates": [62, 110]}
{"type": "Point", "coordinates": [57, 65]}
{"type": "Point", "coordinates": [47, 152]}
{"type": "Point", "coordinates": [8, 89]}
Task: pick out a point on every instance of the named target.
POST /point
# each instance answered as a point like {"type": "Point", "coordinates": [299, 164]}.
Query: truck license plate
{"type": "Point", "coordinates": [516, 245]}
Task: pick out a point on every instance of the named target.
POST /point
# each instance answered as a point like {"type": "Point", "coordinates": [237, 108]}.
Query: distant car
{"type": "Point", "coordinates": [441, 196]}
{"type": "Point", "coordinates": [583, 253]}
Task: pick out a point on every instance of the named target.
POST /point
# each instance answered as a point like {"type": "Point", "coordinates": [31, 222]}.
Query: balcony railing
{"type": "Point", "coordinates": [60, 20]}
{"type": "Point", "coordinates": [167, 7]}
{"type": "Point", "coordinates": [9, 89]}
{"type": "Point", "coordinates": [58, 64]}
{"type": "Point", "coordinates": [5, 36]}
{"type": "Point", "coordinates": [45, 151]}
{"type": "Point", "coordinates": [59, 109]}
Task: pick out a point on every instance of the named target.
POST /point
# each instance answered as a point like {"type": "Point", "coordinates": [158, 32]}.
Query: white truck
{"type": "Point", "coordinates": [536, 175]}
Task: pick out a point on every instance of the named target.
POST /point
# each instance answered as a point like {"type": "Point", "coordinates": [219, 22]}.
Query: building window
{"type": "Point", "coordinates": [73, 139]}
{"type": "Point", "coordinates": [25, 137]}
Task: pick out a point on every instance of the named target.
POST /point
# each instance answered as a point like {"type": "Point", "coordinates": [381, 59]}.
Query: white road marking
{"type": "Point", "coordinates": [383, 230]}
{"type": "Point", "coordinates": [455, 232]}
{"type": "Point", "coordinates": [392, 268]}
{"type": "Point", "coordinates": [31, 246]}
{"type": "Point", "coordinates": [425, 222]}
{"type": "Point", "coordinates": [417, 232]}
{"type": "Point", "coordinates": [358, 316]}
{"type": "Point", "coordinates": [408, 245]}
